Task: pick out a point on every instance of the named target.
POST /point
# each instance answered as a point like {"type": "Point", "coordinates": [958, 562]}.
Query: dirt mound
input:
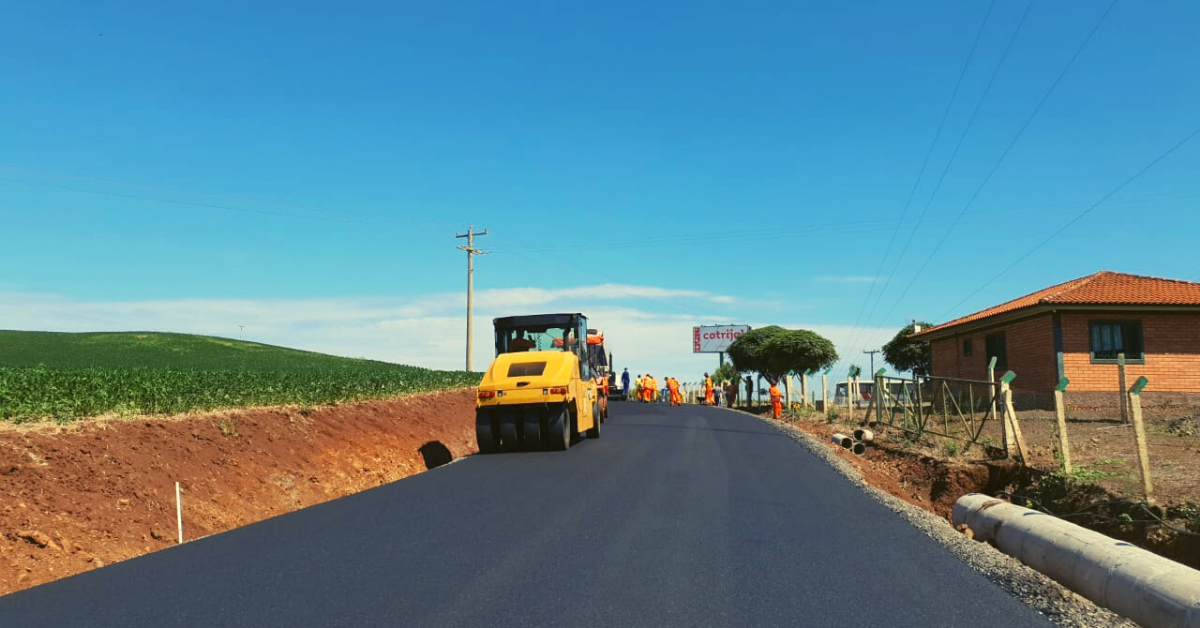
{"type": "Point", "coordinates": [101, 491]}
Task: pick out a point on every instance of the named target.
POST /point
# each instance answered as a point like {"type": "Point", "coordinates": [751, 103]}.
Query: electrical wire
{"type": "Point", "coordinates": [1187, 138]}
{"type": "Point", "coordinates": [1004, 154]}
{"type": "Point", "coordinates": [925, 161]}
{"type": "Point", "coordinates": [949, 162]}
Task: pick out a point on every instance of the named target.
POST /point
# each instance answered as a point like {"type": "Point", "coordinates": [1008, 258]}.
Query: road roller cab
{"type": "Point", "coordinates": [541, 391]}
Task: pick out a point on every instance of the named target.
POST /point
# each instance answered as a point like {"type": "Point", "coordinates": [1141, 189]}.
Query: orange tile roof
{"type": "Point", "coordinates": [1102, 288]}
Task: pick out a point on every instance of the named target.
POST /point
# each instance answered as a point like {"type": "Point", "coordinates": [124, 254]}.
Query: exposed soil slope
{"type": "Point", "coordinates": [100, 491]}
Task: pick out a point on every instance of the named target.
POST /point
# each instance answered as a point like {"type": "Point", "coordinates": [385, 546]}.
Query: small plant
{"type": "Point", "coordinates": [1190, 513]}
{"type": "Point", "coordinates": [1088, 472]}
{"type": "Point", "coordinates": [951, 449]}
{"type": "Point", "coordinates": [228, 428]}
{"type": "Point", "coordinates": [832, 415]}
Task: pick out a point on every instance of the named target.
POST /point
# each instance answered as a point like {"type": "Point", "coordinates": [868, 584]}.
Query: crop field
{"type": "Point", "coordinates": [63, 376]}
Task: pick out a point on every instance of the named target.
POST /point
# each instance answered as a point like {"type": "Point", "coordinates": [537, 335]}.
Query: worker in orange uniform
{"type": "Point", "coordinates": [776, 399]}
{"type": "Point", "coordinates": [708, 390]}
{"type": "Point", "coordinates": [640, 387]}
{"type": "Point", "coordinates": [651, 388]}
{"type": "Point", "coordinates": [673, 389]}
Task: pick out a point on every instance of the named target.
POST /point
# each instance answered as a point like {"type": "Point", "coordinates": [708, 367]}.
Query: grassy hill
{"type": "Point", "coordinates": [65, 376]}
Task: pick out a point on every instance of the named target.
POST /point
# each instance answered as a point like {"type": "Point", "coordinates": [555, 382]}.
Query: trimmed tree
{"type": "Point", "coordinates": [905, 354]}
{"type": "Point", "coordinates": [774, 351]}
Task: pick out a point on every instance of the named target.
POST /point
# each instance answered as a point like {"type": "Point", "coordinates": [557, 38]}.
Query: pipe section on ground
{"type": "Point", "coordinates": [859, 448]}
{"type": "Point", "coordinates": [843, 441]}
{"type": "Point", "coordinates": [864, 435]}
{"type": "Point", "coordinates": [1145, 587]}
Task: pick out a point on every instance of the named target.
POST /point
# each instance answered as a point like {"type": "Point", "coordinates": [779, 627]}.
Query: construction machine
{"type": "Point", "coordinates": [546, 388]}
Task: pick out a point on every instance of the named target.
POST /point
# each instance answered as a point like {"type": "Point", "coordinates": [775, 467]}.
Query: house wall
{"type": "Point", "coordinates": [1172, 363]}
{"type": "Point", "coordinates": [1172, 346]}
{"type": "Point", "coordinates": [1030, 354]}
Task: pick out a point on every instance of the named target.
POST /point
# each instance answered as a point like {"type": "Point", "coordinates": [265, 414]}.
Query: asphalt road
{"type": "Point", "coordinates": [674, 517]}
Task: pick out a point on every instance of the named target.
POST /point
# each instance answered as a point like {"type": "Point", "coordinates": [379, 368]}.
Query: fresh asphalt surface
{"type": "Point", "coordinates": [674, 517]}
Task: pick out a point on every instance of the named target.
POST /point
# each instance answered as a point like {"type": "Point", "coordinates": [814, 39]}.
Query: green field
{"type": "Point", "coordinates": [61, 376]}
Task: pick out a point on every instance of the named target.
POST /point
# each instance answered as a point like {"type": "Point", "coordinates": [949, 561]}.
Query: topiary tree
{"type": "Point", "coordinates": [905, 354]}
{"type": "Point", "coordinates": [774, 351]}
{"type": "Point", "coordinates": [748, 352]}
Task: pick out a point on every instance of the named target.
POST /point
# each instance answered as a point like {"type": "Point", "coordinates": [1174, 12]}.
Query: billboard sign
{"type": "Point", "coordinates": [715, 338]}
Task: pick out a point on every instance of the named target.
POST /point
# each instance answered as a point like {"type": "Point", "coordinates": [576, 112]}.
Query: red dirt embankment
{"type": "Point", "coordinates": [100, 491]}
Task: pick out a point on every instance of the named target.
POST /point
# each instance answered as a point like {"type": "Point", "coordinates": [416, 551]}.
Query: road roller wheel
{"type": "Point", "coordinates": [509, 428]}
{"type": "Point", "coordinates": [594, 430]}
{"type": "Point", "coordinates": [486, 433]}
{"type": "Point", "coordinates": [531, 423]}
{"type": "Point", "coordinates": [573, 428]}
{"type": "Point", "coordinates": [558, 429]}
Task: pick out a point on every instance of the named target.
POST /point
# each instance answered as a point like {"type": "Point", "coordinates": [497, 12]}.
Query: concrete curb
{"type": "Point", "coordinates": [1143, 586]}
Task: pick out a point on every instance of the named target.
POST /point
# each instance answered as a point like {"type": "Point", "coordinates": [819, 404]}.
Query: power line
{"type": "Point", "coordinates": [1079, 216]}
{"type": "Point", "coordinates": [156, 188]}
{"type": "Point", "coordinates": [1004, 154]}
{"type": "Point", "coordinates": [321, 214]}
{"type": "Point", "coordinates": [177, 202]}
{"type": "Point", "coordinates": [950, 162]}
{"type": "Point", "coordinates": [925, 162]}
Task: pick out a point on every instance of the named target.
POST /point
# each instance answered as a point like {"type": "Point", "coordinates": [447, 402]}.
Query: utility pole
{"type": "Point", "coordinates": [872, 353]}
{"type": "Point", "coordinates": [241, 329]}
{"type": "Point", "coordinates": [471, 253]}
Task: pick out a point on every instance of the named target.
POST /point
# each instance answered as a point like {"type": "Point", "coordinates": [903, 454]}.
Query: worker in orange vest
{"type": "Point", "coordinates": [651, 389]}
{"type": "Point", "coordinates": [776, 399]}
{"type": "Point", "coordinates": [638, 389]}
{"type": "Point", "coordinates": [673, 387]}
{"type": "Point", "coordinates": [708, 390]}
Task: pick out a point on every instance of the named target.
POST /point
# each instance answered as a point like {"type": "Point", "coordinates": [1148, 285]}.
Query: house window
{"type": "Point", "coordinates": [997, 348]}
{"type": "Point", "coordinates": [1108, 338]}
{"type": "Point", "coordinates": [968, 350]}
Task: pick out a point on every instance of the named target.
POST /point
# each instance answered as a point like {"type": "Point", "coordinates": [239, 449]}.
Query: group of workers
{"type": "Point", "coordinates": [645, 387]}
{"type": "Point", "coordinates": [647, 390]}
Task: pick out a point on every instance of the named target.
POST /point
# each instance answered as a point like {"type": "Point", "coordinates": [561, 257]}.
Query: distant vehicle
{"type": "Point", "coordinates": [545, 388]}
{"type": "Point", "coordinates": [895, 387]}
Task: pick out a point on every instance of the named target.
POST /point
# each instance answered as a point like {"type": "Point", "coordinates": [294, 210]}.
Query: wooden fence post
{"type": "Point", "coordinates": [825, 392]}
{"type": "Point", "coordinates": [995, 414]}
{"type": "Point", "coordinates": [1010, 416]}
{"type": "Point", "coordinates": [1139, 435]}
{"type": "Point", "coordinates": [850, 394]}
{"type": "Point", "coordinates": [787, 387]}
{"type": "Point", "coordinates": [1121, 383]}
{"type": "Point", "coordinates": [804, 385]}
{"type": "Point", "coordinates": [1060, 409]}
{"type": "Point", "coordinates": [881, 396]}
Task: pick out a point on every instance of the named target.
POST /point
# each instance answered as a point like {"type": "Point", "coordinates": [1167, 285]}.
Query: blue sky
{"type": "Point", "coordinates": [301, 168]}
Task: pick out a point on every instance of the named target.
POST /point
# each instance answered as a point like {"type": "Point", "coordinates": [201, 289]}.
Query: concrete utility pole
{"type": "Point", "coordinates": [471, 253]}
{"type": "Point", "coordinates": [872, 354]}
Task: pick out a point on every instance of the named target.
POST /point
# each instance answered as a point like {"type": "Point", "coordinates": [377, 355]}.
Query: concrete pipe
{"type": "Point", "coordinates": [1145, 587]}
{"type": "Point", "coordinates": [843, 441]}
{"type": "Point", "coordinates": [864, 435]}
{"type": "Point", "coordinates": [859, 448]}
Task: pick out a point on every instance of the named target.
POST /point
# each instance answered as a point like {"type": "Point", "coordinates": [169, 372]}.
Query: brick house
{"type": "Point", "coordinates": [1076, 329]}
